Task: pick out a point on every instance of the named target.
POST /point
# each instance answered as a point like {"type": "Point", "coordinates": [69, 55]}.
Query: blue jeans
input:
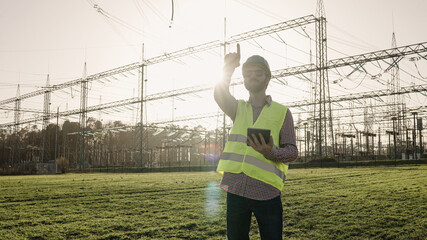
{"type": "Point", "coordinates": [267, 213]}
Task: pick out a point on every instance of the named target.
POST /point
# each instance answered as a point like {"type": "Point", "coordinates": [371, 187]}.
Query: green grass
{"type": "Point", "coordinates": [333, 203]}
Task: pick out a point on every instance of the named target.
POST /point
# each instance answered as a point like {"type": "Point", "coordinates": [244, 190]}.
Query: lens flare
{"type": "Point", "coordinates": [212, 199]}
{"type": "Point", "coordinates": [212, 152]}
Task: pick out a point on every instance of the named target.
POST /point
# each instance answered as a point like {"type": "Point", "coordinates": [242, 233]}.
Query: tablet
{"type": "Point", "coordinates": [265, 134]}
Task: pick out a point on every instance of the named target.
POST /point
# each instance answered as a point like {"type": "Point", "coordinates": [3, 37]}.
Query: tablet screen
{"type": "Point", "coordinates": [265, 134]}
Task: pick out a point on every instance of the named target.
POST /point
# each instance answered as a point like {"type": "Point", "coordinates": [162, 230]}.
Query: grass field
{"type": "Point", "coordinates": [333, 203]}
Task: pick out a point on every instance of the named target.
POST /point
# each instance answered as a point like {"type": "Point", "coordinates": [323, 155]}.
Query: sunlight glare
{"type": "Point", "coordinates": [212, 199]}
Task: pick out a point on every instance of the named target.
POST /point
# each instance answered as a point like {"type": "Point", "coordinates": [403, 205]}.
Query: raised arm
{"type": "Point", "coordinates": [222, 95]}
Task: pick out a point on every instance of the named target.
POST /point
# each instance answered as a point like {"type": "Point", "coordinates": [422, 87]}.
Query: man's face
{"type": "Point", "coordinates": [255, 78]}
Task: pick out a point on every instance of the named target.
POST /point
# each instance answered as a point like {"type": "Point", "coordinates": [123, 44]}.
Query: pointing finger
{"type": "Point", "coordinates": [238, 50]}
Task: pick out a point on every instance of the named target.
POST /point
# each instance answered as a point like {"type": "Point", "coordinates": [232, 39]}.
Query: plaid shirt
{"type": "Point", "coordinates": [245, 186]}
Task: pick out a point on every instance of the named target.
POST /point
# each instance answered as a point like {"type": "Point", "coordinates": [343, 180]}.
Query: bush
{"type": "Point", "coordinates": [63, 164]}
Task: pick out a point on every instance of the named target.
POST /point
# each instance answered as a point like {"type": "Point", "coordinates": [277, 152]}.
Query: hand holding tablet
{"type": "Point", "coordinates": [264, 132]}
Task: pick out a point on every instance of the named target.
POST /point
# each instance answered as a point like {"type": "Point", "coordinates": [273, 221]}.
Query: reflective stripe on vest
{"type": "Point", "coordinates": [254, 161]}
{"type": "Point", "coordinates": [237, 138]}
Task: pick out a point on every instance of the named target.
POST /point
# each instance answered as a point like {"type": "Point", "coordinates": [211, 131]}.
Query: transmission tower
{"type": "Point", "coordinates": [17, 114]}
{"type": "Point", "coordinates": [320, 99]}
{"type": "Point", "coordinates": [17, 110]}
{"type": "Point", "coordinates": [396, 100]}
{"type": "Point", "coordinates": [141, 140]}
{"type": "Point", "coordinates": [83, 115]}
{"type": "Point", "coordinates": [99, 112]}
{"type": "Point", "coordinates": [46, 118]}
{"type": "Point", "coordinates": [368, 120]}
{"type": "Point", "coordinates": [312, 135]}
{"type": "Point", "coordinates": [322, 108]}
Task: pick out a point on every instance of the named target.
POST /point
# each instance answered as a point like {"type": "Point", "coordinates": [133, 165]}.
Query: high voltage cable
{"type": "Point", "coordinates": [401, 69]}
{"type": "Point", "coordinates": [274, 53]}
{"type": "Point", "coordinates": [156, 11]}
{"type": "Point", "coordinates": [263, 11]}
{"type": "Point", "coordinates": [139, 8]}
{"type": "Point", "coordinates": [270, 14]}
{"type": "Point", "coordinates": [267, 13]}
{"type": "Point", "coordinates": [353, 37]}
{"type": "Point", "coordinates": [382, 70]}
{"type": "Point", "coordinates": [111, 18]}
{"type": "Point", "coordinates": [356, 85]}
{"type": "Point", "coordinates": [116, 19]}
{"type": "Point", "coordinates": [282, 41]}
{"type": "Point", "coordinates": [353, 67]}
{"type": "Point", "coordinates": [418, 71]}
{"type": "Point", "coordinates": [172, 14]}
{"type": "Point", "coordinates": [118, 33]}
{"type": "Point", "coordinates": [379, 65]}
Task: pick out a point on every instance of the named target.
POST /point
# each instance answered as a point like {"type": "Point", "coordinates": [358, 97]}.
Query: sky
{"type": "Point", "coordinates": [63, 40]}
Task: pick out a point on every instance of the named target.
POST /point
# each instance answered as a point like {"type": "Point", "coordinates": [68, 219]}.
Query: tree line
{"type": "Point", "coordinates": [100, 145]}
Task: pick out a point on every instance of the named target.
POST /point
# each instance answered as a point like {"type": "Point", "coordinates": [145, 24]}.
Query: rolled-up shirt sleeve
{"type": "Point", "coordinates": [287, 151]}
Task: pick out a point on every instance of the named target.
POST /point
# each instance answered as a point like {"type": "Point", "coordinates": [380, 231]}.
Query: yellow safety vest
{"type": "Point", "coordinates": [237, 157]}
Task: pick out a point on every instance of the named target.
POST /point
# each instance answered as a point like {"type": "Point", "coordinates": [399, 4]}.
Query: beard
{"type": "Point", "coordinates": [254, 86]}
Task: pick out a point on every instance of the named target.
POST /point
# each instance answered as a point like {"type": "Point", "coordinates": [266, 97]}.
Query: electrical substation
{"type": "Point", "coordinates": [166, 130]}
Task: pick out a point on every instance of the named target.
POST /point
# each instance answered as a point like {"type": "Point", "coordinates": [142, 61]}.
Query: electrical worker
{"type": "Point", "coordinates": [254, 172]}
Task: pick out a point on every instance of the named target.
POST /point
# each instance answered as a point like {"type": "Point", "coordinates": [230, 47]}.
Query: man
{"type": "Point", "coordinates": [254, 171]}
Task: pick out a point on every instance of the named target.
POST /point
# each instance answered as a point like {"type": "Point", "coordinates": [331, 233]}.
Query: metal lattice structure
{"type": "Point", "coordinates": [46, 120]}
{"type": "Point", "coordinates": [83, 115]}
{"type": "Point", "coordinates": [320, 102]}
{"type": "Point", "coordinates": [322, 122]}
{"type": "Point", "coordinates": [336, 63]}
